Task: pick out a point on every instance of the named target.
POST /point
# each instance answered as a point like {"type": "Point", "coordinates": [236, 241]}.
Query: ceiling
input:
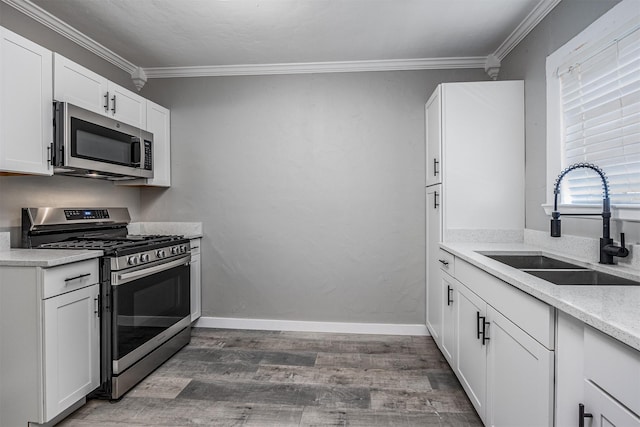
{"type": "Point", "coordinates": [158, 35]}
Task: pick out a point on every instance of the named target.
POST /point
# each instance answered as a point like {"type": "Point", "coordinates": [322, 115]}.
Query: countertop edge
{"type": "Point", "coordinates": [44, 257]}
{"type": "Point", "coordinates": [545, 291]}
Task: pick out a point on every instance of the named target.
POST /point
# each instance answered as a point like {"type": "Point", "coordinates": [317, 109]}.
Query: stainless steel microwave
{"type": "Point", "coordinates": [91, 145]}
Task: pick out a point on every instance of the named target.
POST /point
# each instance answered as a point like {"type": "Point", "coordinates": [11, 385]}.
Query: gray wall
{"type": "Point", "coordinates": [527, 62]}
{"type": "Point", "coordinates": [26, 191]}
{"type": "Point", "coordinates": [310, 188]}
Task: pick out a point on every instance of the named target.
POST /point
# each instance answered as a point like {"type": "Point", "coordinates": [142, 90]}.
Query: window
{"type": "Point", "coordinates": [593, 114]}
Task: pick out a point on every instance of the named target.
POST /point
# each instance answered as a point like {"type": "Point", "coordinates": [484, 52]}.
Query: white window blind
{"type": "Point", "coordinates": [600, 97]}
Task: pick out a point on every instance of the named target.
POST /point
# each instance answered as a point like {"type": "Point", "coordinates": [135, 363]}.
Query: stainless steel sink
{"type": "Point", "coordinates": [559, 272]}
{"type": "Point", "coordinates": [582, 277]}
{"type": "Point", "coordinates": [532, 262]}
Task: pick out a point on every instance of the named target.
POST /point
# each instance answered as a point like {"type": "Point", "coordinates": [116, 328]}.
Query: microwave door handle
{"type": "Point", "coordinates": [135, 152]}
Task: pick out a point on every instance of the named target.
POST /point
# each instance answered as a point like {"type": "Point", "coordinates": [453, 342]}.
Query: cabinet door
{"type": "Point", "coordinates": [196, 281]}
{"type": "Point", "coordinates": [433, 274]}
{"type": "Point", "coordinates": [79, 86]}
{"type": "Point", "coordinates": [448, 318]}
{"type": "Point", "coordinates": [606, 412]}
{"type": "Point", "coordinates": [433, 132]}
{"type": "Point", "coordinates": [519, 376]}
{"type": "Point", "coordinates": [159, 123]}
{"type": "Point", "coordinates": [71, 348]}
{"type": "Point", "coordinates": [26, 116]}
{"type": "Point", "coordinates": [471, 352]}
{"type": "Point", "coordinates": [127, 107]}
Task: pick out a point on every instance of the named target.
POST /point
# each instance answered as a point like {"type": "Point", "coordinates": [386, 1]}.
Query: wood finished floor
{"type": "Point", "coordinates": [266, 378]}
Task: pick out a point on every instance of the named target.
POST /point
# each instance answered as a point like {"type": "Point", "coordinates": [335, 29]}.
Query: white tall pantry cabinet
{"type": "Point", "coordinates": [474, 191]}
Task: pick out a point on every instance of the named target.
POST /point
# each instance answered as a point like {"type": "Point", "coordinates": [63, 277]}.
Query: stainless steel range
{"type": "Point", "coordinates": [144, 288]}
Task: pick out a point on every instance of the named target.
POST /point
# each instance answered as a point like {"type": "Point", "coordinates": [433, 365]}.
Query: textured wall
{"type": "Point", "coordinates": [27, 191]}
{"type": "Point", "coordinates": [310, 188]}
{"type": "Point", "coordinates": [527, 62]}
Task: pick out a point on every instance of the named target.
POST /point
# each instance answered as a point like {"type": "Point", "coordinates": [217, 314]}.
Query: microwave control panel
{"type": "Point", "coordinates": [148, 160]}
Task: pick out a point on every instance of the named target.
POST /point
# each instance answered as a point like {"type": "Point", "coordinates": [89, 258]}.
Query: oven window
{"type": "Point", "coordinates": [94, 142]}
{"type": "Point", "coordinates": [146, 307]}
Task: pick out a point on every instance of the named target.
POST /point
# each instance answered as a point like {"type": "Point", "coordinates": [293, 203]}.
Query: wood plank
{"type": "Point", "coordinates": [279, 394]}
{"type": "Point", "coordinates": [345, 377]}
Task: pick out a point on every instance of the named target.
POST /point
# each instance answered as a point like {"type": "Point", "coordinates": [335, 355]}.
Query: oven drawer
{"type": "Point", "coordinates": [69, 277]}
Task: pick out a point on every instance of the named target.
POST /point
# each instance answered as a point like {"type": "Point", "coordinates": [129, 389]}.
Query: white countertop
{"type": "Point", "coordinates": [190, 230]}
{"type": "Point", "coordinates": [614, 310]}
{"type": "Point", "coordinates": [44, 257]}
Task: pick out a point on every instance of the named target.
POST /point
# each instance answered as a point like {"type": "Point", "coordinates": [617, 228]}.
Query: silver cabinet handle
{"type": "Point", "coordinates": [113, 107]}
{"type": "Point", "coordinates": [106, 102]}
{"type": "Point", "coordinates": [128, 277]}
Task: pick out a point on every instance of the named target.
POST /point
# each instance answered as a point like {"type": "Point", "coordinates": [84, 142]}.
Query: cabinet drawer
{"type": "Point", "coordinates": [530, 314]}
{"type": "Point", "coordinates": [446, 261]}
{"type": "Point", "coordinates": [614, 367]}
{"type": "Point", "coordinates": [68, 277]}
{"type": "Point", "coordinates": [195, 246]}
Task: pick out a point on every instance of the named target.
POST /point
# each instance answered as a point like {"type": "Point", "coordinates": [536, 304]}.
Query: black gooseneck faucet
{"type": "Point", "coordinates": [607, 249]}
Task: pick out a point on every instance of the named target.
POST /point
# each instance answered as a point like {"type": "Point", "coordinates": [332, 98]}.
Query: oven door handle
{"type": "Point", "coordinates": [128, 277]}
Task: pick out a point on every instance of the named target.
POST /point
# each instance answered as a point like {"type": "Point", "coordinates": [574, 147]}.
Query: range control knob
{"type": "Point", "coordinates": [144, 258]}
{"type": "Point", "coordinates": [174, 250]}
{"type": "Point", "coordinates": [132, 260]}
{"type": "Point", "coordinates": [183, 249]}
{"type": "Point", "coordinates": [161, 253]}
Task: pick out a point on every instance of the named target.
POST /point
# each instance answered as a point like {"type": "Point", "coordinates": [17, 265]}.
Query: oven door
{"type": "Point", "coordinates": [150, 305]}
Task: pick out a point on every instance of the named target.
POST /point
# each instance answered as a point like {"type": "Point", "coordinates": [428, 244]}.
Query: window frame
{"type": "Point", "coordinates": [609, 23]}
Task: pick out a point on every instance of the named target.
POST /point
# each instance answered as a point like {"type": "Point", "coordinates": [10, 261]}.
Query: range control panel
{"type": "Point", "coordinates": [79, 214]}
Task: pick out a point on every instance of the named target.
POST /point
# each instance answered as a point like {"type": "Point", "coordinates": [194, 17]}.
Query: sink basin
{"type": "Point", "coordinates": [581, 277]}
{"type": "Point", "coordinates": [532, 262]}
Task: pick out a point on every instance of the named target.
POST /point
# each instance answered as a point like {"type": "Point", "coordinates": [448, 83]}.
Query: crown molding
{"type": "Point", "coordinates": [534, 17]}
{"type": "Point", "coordinates": [45, 18]}
{"type": "Point", "coordinates": [42, 16]}
{"type": "Point", "coordinates": [316, 67]}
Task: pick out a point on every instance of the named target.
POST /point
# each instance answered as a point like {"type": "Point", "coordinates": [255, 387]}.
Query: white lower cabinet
{"type": "Point", "coordinates": [597, 376]}
{"type": "Point", "coordinates": [448, 336]}
{"type": "Point", "coordinates": [605, 411]}
{"type": "Point", "coordinates": [49, 331]}
{"type": "Point", "coordinates": [519, 376]}
{"type": "Point", "coordinates": [72, 348]}
{"type": "Point", "coordinates": [507, 373]}
{"type": "Point", "coordinates": [196, 280]}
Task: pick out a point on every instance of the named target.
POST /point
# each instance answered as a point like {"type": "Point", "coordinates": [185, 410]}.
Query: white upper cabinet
{"type": "Point", "coordinates": [159, 124]}
{"type": "Point", "coordinates": [26, 116]}
{"type": "Point", "coordinates": [80, 86]}
{"type": "Point", "coordinates": [434, 137]}
{"type": "Point", "coordinates": [126, 106]}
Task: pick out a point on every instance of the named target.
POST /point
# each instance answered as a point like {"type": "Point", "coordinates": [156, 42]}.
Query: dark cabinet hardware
{"type": "Point", "coordinates": [113, 104]}
{"type": "Point", "coordinates": [485, 338]}
{"type": "Point", "coordinates": [582, 415]}
{"type": "Point", "coordinates": [449, 295]}
{"type": "Point", "coordinates": [478, 317]}
{"type": "Point", "coordinates": [435, 167]}
{"type": "Point", "coordinates": [106, 102]}
{"type": "Point", "coordinates": [97, 310]}
{"type": "Point", "coordinates": [444, 261]}
{"type": "Point", "coordinates": [70, 279]}
{"type": "Point", "coordinates": [435, 200]}
{"type": "Point", "coordinates": [49, 155]}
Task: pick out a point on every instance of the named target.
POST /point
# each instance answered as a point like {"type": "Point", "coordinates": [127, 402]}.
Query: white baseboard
{"type": "Point", "coordinates": [306, 326]}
